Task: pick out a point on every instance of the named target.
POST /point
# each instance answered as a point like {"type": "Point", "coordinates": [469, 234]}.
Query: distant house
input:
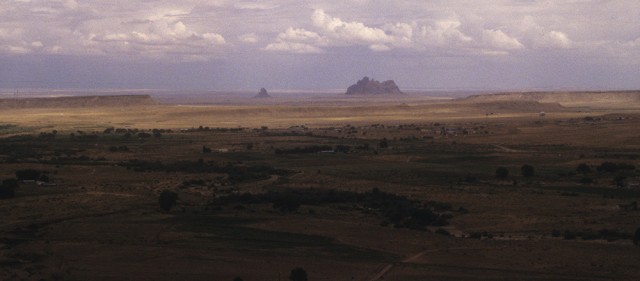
{"type": "Point", "coordinates": [542, 114]}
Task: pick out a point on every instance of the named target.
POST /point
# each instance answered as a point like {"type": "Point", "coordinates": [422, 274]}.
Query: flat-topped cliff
{"type": "Point", "coordinates": [77, 101]}
{"type": "Point", "coordinates": [627, 98]}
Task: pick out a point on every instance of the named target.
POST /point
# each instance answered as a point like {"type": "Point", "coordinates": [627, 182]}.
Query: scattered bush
{"type": "Point", "coordinates": [586, 180]}
{"type": "Point", "coordinates": [527, 171]}
{"type": "Point", "coordinates": [397, 210]}
{"type": "Point", "coordinates": [610, 167]}
{"type": "Point", "coordinates": [502, 173]}
{"type": "Point", "coordinates": [298, 274]}
{"type": "Point", "coordinates": [383, 143]}
{"type": "Point", "coordinates": [167, 200]}
{"type": "Point", "coordinates": [583, 169]}
{"type": "Point", "coordinates": [306, 149]}
{"type": "Point", "coordinates": [28, 174]}
{"type": "Point", "coordinates": [7, 188]}
{"type": "Point", "coordinates": [603, 234]}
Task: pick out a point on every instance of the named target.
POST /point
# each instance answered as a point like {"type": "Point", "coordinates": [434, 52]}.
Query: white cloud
{"type": "Point", "coordinates": [293, 47]}
{"type": "Point", "coordinates": [500, 40]}
{"type": "Point", "coordinates": [348, 31]}
{"type": "Point", "coordinates": [196, 28]}
{"type": "Point", "coordinates": [443, 33]}
{"type": "Point", "coordinates": [299, 35]}
{"type": "Point", "coordinates": [254, 6]}
{"type": "Point", "coordinates": [251, 38]}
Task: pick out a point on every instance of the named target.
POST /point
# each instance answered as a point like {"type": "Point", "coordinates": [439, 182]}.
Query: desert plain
{"type": "Point", "coordinates": [513, 186]}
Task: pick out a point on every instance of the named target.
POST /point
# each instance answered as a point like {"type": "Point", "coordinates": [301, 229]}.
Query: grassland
{"type": "Point", "coordinates": [257, 187]}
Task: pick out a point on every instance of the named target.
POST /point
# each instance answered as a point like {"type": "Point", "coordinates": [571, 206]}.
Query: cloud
{"type": "Point", "coordinates": [500, 40]}
{"type": "Point", "coordinates": [251, 38]}
{"type": "Point", "coordinates": [553, 39]}
{"type": "Point", "coordinates": [444, 33]}
{"type": "Point", "coordinates": [334, 32]}
{"type": "Point", "coordinates": [300, 35]}
{"type": "Point", "coordinates": [157, 37]}
{"type": "Point", "coordinates": [293, 47]}
{"type": "Point", "coordinates": [353, 32]}
{"type": "Point", "coordinates": [297, 40]}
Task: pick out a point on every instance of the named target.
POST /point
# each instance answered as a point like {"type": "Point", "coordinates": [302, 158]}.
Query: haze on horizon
{"type": "Point", "coordinates": [286, 44]}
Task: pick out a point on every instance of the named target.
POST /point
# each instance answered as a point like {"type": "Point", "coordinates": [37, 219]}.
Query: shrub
{"type": "Point", "coordinates": [502, 173]}
{"type": "Point", "coordinates": [586, 180]}
{"type": "Point", "coordinates": [7, 188]}
{"type": "Point", "coordinates": [583, 169]}
{"type": "Point", "coordinates": [383, 143]}
{"type": "Point", "coordinates": [298, 274]}
{"type": "Point", "coordinates": [206, 149]}
{"type": "Point", "coordinates": [610, 167]}
{"type": "Point", "coordinates": [167, 200]}
{"type": "Point", "coordinates": [442, 231]}
{"type": "Point", "coordinates": [527, 171]}
{"type": "Point", "coordinates": [28, 174]}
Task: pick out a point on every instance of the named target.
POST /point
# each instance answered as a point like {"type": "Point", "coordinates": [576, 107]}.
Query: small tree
{"type": "Point", "coordinates": [167, 200]}
{"type": "Point", "coordinates": [298, 274]}
{"type": "Point", "coordinates": [527, 171]}
{"type": "Point", "coordinates": [7, 188]}
{"type": "Point", "coordinates": [383, 143]}
{"type": "Point", "coordinates": [583, 169]}
{"type": "Point", "coordinates": [620, 180]}
{"type": "Point", "coordinates": [502, 173]}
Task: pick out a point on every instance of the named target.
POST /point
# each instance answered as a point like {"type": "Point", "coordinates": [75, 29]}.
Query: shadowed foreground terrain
{"type": "Point", "coordinates": [485, 188]}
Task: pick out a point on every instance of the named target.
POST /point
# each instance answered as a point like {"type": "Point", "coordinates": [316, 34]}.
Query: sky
{"type": "Point", "coordinates": [320, 44]}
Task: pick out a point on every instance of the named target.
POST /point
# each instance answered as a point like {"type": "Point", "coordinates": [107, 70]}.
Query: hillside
{"type": "Point", "coordinates": [79, 101]}
{"type": "Point", "coordinates": [619, 98]}
{"type": "Point", "coordinates": [368, 86]}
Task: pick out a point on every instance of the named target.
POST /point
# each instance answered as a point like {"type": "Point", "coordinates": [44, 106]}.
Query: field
{"type": "Point", "coordinates": [383, 189]}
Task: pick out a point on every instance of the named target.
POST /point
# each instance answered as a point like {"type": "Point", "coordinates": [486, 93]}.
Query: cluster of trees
{"type": "Point", "coordinates": [398, 210]}
{"type": "Point", "coordinates": [236, 173]}
{"type": "Point", "coordinates": [526, 170]}
{"type": "Point", "coordinates": [122, 148]}
{"type": "Point", "coordinates": [32, 175]}
{"type": "Point", "coordinates": [606, 167]}
{"type": "Point", "coordinates": [297, 274]}
{"type": "Point", "coordinates": [219, 130]}
{"type": "Point", "coordinates": [304, 150]}
{"type": "Point", "coordinates": [603, 234]}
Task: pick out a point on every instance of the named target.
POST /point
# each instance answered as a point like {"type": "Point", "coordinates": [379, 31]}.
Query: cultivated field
{"type": "Point", "coordinates": [407, 188]}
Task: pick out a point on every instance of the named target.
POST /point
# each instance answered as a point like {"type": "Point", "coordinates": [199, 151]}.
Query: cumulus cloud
{"type": "Point", "coordinates": [297, 40]}
{"type": "Point", "coordinates": [195, 28]}
{"type": "Point", "coordinates": [334, 32]}
{"type": "Point", "coordinates": [500, 40]}
{"type": "Point", "coordinates": [157, 37]}
{"type": "Point", "coordinates": [444, 33]}
{"type": "Point", "coordinates": [294, 47]}
{"type": "Point", "coordinates": [348, 31]}
{"type": "Point", "coordinates": [70, 27]}
{"type": "Point", "coordinates": [553, 39]}
{"type": "Point", "coordinates": [249, 38]}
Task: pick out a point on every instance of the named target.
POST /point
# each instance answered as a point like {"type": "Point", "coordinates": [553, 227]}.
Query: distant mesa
{"type": "Point", "coordinates": [368, 86]}
{"type": "Point", "coordinates": [263, 94]}
{"type": "Point", "coordinates": [77, 102]}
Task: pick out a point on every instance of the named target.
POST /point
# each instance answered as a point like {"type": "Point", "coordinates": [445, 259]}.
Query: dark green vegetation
{"type": "Point", "coordinates": [432, 200]}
